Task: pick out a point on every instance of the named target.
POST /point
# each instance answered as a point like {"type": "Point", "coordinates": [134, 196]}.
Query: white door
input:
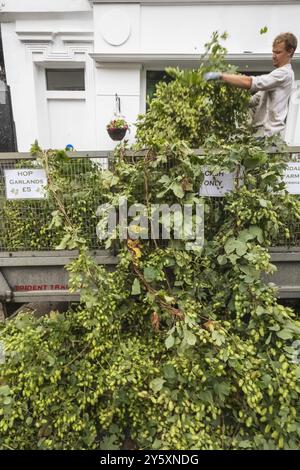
{"type": "Point", "coordinates": [65, 100]}
{"type": "Point", "coordinates": [68, 124]}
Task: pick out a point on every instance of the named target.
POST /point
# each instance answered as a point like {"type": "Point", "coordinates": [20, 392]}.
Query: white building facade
{"type": "Point", "coordinates": [66, 59]}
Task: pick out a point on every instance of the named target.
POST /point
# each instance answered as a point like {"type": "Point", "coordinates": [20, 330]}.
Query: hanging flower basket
{"type": "Point", "coordinates": [117, 129]}
{"type": "Point", "coordinates": [117, 133]}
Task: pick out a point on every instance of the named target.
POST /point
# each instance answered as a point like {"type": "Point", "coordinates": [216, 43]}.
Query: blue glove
{"type": "Point", "coordinates": [212, 76]}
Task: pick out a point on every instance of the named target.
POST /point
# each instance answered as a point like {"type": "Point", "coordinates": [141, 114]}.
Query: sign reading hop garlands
{"type": "Point", "coordinates": [217, 185]}
{"type": "Point", "coordinates": [25, 183]}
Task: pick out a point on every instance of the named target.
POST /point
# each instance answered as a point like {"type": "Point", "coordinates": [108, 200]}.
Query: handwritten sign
{"type": "Point", "coordinates": [220, 184]}
{"type": "Point", "coordinates": [216, 185]}
{"type": "Point", "coordinates": [25, 184]}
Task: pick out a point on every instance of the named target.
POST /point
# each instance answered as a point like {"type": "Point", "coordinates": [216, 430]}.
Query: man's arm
{"type": "Point", "coordinates": [267, 81]}
{"type": "Point", "coordinates": [241, 81]}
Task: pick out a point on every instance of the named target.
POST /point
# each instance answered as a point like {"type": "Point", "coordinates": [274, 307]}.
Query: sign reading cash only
{"type": "Point", "coordinates": [25, 183]}
{"type": "Point", "coordinates": [217, 185]}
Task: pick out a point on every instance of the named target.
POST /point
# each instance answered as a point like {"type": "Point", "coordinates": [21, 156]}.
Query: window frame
{"type": "Point", "coordinates": [65, 90]}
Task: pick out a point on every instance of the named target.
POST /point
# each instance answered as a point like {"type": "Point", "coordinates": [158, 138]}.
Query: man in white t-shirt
{"type": "Point", "coordinates": [271, 92]}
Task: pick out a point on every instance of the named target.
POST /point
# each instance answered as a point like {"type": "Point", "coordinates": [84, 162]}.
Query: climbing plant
{"type": "Point", "coordinates": [175, 348]}
{"type": "Point", "coordinates": [190, 109]}
{"type": "Point", "coordinates": [31, 225]}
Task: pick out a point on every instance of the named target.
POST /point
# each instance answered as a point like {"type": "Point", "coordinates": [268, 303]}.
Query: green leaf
{"type": "Point", "coordinates": [206, 396]}
{"type": "Point", "coordinates": [267, 379]}
{"type": "Point", "coordinates": [114, 429]}
{"type": "Point", "coordinates": [222, 259]}
{"type": "Point", "coordinates": [218, 338]}
{"type": "Point", "coordinates": [7, 400]}
{"type": "Point", "coordinates": [222, 389]}
{"type": "Point", "coordinates": [110, 443]}
{"type": "Point", "coordinates": [285, 334]}
{"type": "Point", "coordinates": [230, 245]}
{"type": "Point", "coordinates": [169, 299]}
{"type": "Point", "coordinates": [254, 230]}
{"type": "Point", "coordinates": [57, 220]}
{"type": "Point", "coordinates": [245, 235]}
{"type": "Point", "coordinates": [274, 328]}
{"type": "Point", "coordinates": [169, 262]}
{"type": "Point", "coordinates": [90, 437]}
{"type": "Point", "coordinates": [50, 359]}
{"type": "Point", "coordinates": [162, 193]}
{"type": "Point", "coordinates": [263, 30]}
{"type": "Point", "coordinates": [157, 384]}
{"type": "Point", "coordinates": [292, 326]}
{"type": "Point", "coordinates": [65, 242]}
{"type": "Point", "coordinates": [257, 233]}
{"type": "Point", "coordinates": [136, 287]}
{"type": "Point", "coordinates": [4, 390]}
{"type": "Point", "coordinates": [268, 340]}
{"type": "Point", "coordinates": [249, 234]}
{"type": "Point", "coordinates": [263, 202]}
{"type": "Point", "coordinates": [170, 341]}
{"type": "Point", "coordinates": [150, 273]}
{"type": "Point", "coordinates": [177, 190]}
{"type": "Point", "coordinates": [233, 258]}
{"type": "Point", "coordinates": [23, 322]}
{"type": "Point", "coordinates": [157, 444]}
{"type": "Point", "coordinates": [260, 310]}
{"type": "Point", "coordinates": [190, 338]}
{"type": "Point", "coordinates": [169, 371]}
{"type": "Point", "coordinates": [164, 179]}
{"type": "Point", "coordinates": [245, 444]}
{"type": "Point", "coordinates": [235, 245]}
{"type": "Point", "coordinates": [241, 248]}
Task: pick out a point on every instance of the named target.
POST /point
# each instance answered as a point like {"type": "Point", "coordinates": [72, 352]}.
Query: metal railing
{"type": "Point", "coordinates": [25, 224]}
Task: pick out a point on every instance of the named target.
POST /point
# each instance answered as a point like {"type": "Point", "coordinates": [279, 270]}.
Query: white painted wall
{"type": "Point", "coordinates": [62, 33]}
{"type": "Point", "coordinates": [33, 44]}
{"type": "Point", "coordinates": [187, 29]}
{"type": "Point", "coordinates": [125, 81]}
{"type": "Point", "coordinates": [117, 18]}
{"type": "Point", "coordinates": [46, 6]}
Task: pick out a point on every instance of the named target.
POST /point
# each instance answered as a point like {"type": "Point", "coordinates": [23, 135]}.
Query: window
{"type": "Point", "coordinates": [153, 78]}
{"type": "Point", "coordinates": [65, 79]}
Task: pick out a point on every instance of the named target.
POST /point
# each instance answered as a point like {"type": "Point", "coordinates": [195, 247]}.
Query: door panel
{"type": "Point", "coordinates": [68, 124]}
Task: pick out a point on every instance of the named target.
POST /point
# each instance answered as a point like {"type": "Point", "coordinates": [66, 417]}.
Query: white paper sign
{"type": "Point", "coordinates": [292, 177]}
{"type": "Point", "coordinates": [25, 184]}
{"type": "Point", "coordinates": [216, 185]}
{"type": "Point", "coordinates": [222, 183]}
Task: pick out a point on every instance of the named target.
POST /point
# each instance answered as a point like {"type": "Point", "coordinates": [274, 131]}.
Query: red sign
{"type": "Point", "coordinates": [38, 287]}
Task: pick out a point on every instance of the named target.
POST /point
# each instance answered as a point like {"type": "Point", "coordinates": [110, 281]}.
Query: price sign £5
{"type": "Point", "coordinates": [25, 184]}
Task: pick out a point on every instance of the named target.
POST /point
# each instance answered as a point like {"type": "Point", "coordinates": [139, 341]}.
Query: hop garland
{"type": "Point", "coordinates": [174, 349]}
